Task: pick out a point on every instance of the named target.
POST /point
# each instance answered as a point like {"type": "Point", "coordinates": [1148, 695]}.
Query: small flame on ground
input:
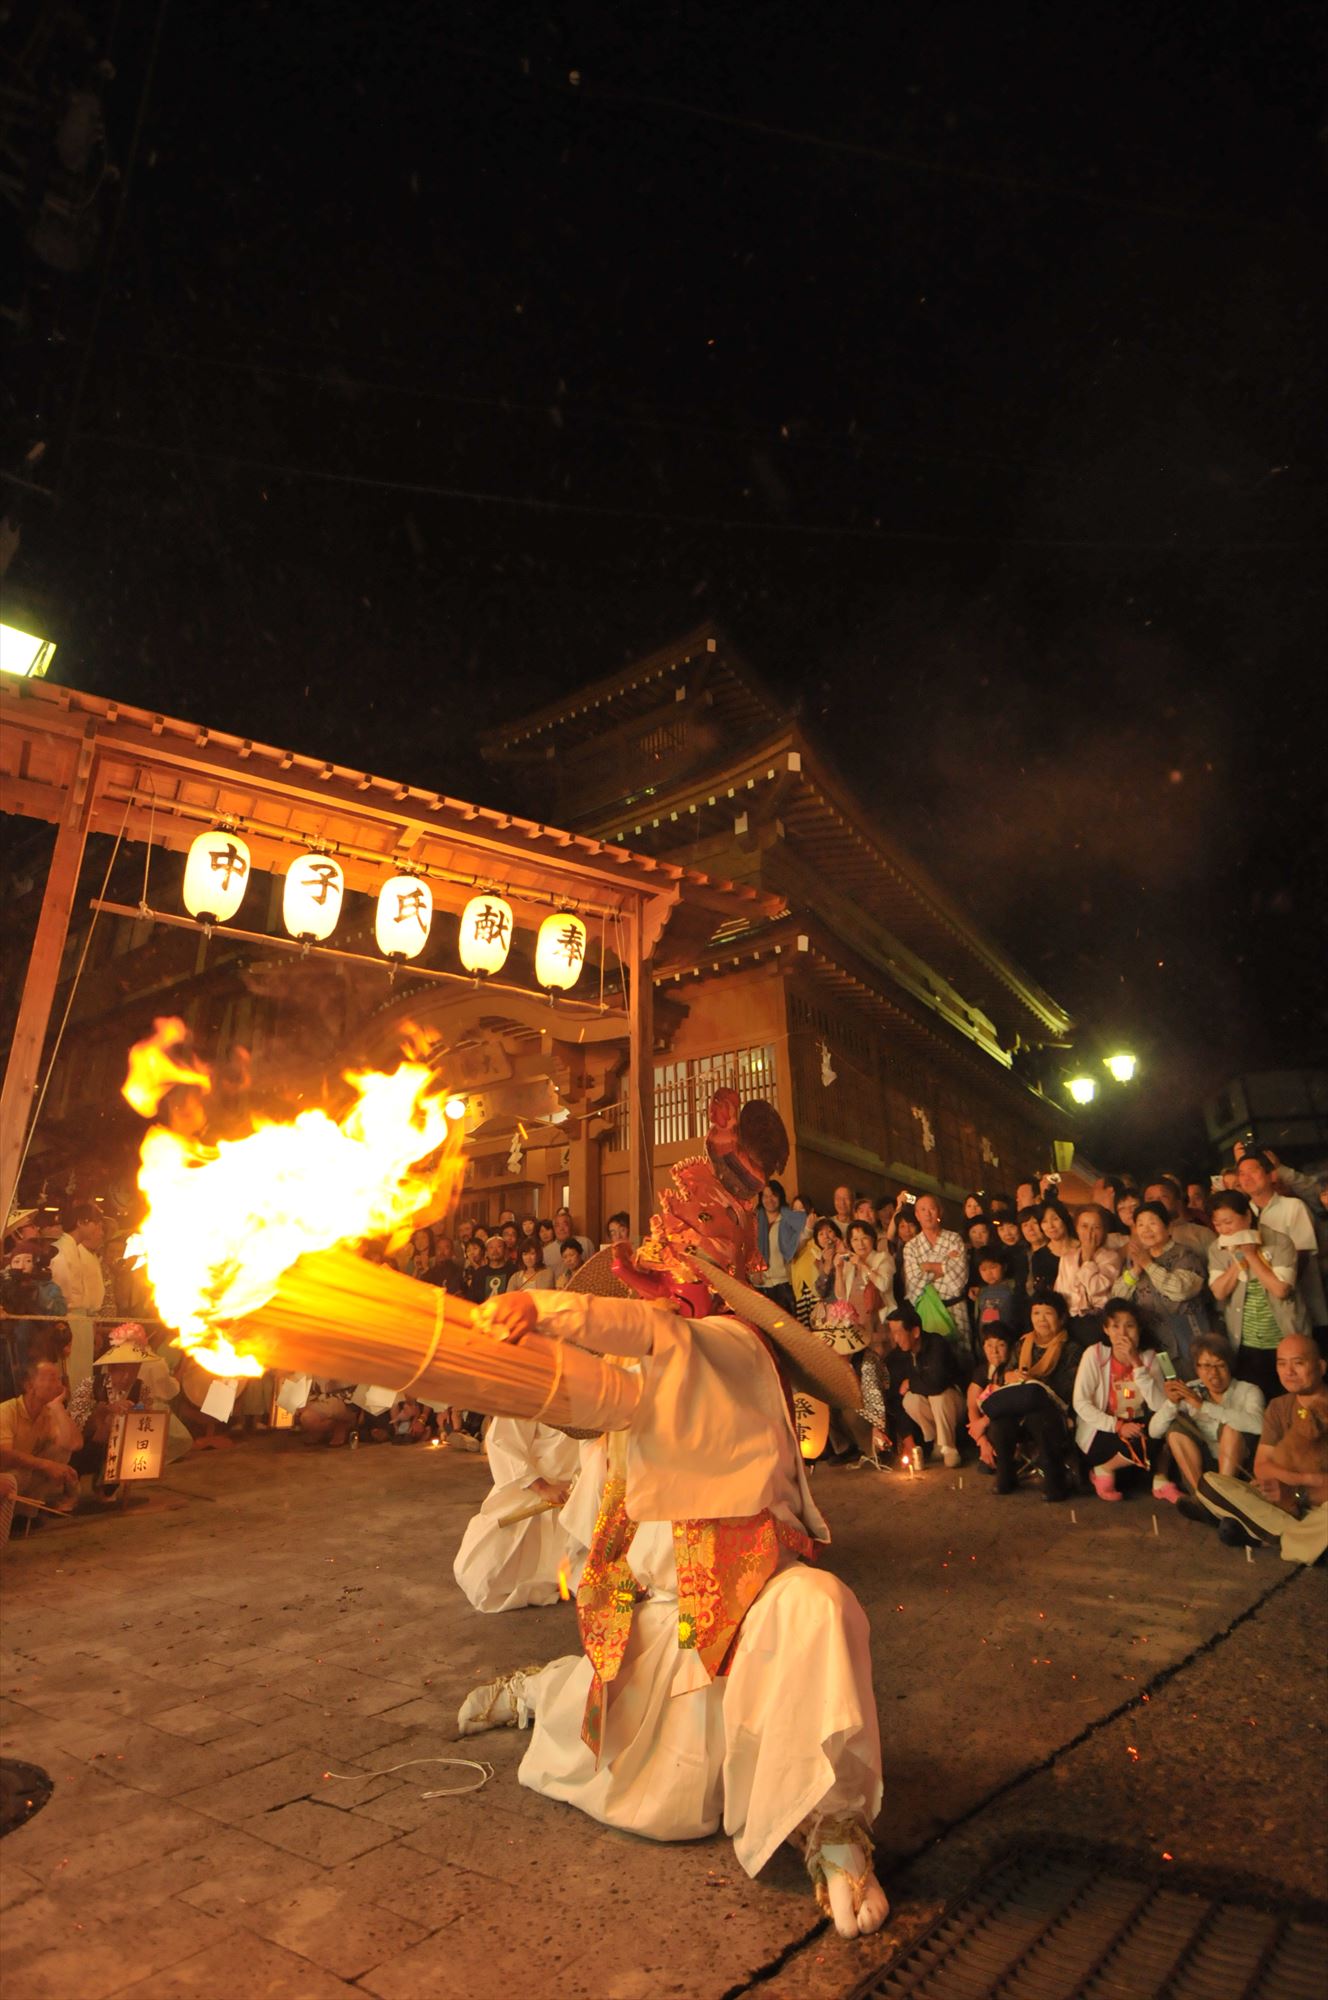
{"type": "Point", "coordinates": [225, 1221]}
{"type": "Point", "coordinates": [564, 1582]}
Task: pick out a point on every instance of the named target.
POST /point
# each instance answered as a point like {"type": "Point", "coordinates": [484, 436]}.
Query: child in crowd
{"type": "Point", "coordinates": [995, 1301]}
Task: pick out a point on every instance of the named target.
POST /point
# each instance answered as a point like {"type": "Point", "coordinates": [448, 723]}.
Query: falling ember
{"type": "Point", "coordinates": [225, 1221]}
{"type": "Point", "coordinates": [564, 1585]}
{"type": "Point", "coordinates": [154, 1069]}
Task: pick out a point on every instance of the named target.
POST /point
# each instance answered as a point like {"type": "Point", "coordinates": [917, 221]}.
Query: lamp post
{"type": "Point", "coordinates": [24, 654]}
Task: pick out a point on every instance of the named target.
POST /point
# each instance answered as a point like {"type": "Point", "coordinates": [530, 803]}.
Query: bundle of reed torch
{"type": "Point", "coordinates": [335, 1314]}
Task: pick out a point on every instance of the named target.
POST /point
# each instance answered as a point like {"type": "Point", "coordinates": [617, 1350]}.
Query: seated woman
{"type": "Point", "coordinates": [1036, 1409]}
{"type": "Point", "coordinates": [156, 1387]}
{"type": "Point", "coordinates": [1117, 1389]}
{"type": "Point", "coordinates": [1209, 1425]}
{"type": "Point", "coordinates": [993, 1366]}
{"type": "Point", "coordinates": [116, 1392]}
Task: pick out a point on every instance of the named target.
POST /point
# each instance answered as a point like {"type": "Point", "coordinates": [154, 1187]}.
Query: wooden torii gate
{"type": "Point", "coordinates": [90, 766]}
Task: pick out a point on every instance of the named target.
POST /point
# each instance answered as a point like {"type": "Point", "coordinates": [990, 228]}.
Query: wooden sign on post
{"type": "Point", "coordinates": [137, 1446]}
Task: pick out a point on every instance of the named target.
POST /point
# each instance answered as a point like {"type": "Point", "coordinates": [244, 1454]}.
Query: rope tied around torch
{"type": "Point", "coordinates": [433, 1344]}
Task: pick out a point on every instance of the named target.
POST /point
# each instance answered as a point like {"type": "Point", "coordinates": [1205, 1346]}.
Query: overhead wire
{"type": "Point", "coordinates": [603, 510]}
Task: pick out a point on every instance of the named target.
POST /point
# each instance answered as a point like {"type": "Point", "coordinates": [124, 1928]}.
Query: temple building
{"type": "Point", "coordinates": [856, 993]}
{"type": "Point", "coordinates": [745, 923]}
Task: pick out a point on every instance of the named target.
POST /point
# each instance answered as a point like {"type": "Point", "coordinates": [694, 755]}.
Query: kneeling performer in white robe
{"type": "Point", "coordinates": [502, 1567]}
{"type": "Point", "coordinates": [723, 1681]}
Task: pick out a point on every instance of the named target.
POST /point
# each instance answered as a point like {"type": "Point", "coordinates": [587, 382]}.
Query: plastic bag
{"type": "Point", "coordinates": [934, 1313]}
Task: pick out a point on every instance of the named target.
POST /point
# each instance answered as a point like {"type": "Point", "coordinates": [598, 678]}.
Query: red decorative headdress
{"type": "Point", "coordinates": [710, 1209]}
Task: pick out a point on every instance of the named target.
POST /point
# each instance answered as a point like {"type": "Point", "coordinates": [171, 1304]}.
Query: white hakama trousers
{"type": "Point", "coordinates": [504, 1569]}
{"type": "Point", "coordinates": [789, 1732]}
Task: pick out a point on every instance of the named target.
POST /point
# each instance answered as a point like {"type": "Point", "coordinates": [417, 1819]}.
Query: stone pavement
{"type": "Point", "coordinates": [193, 1673]}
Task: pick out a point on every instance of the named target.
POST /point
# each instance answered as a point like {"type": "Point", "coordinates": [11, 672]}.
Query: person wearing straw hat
{"type": "Point", "coordinates": [722, 1679]}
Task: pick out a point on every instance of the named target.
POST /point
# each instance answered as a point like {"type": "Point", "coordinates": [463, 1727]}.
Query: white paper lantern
{"type": "Point", "coordinates": [560, 951]}
{"type": "Point", "coordinates": [486, 934]}
{"type": "Point", "coordinates": [311, 900]}
{"type": "Point", "coordinates": [216, 876]}
{"type": "Point", "coordinates": [405, 912]}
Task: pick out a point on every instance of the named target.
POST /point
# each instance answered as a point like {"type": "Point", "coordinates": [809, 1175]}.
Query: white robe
{"type": "Point", "coordinates": [502, 1569]}
{"type": "Point", "coordinates": [791, 1730]}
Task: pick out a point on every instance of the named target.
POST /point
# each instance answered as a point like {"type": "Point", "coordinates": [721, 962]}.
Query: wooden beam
{"type": "Point", "coordinates": [34, 1012]}
{"type": "Point", "coordinates": [641, 1075]}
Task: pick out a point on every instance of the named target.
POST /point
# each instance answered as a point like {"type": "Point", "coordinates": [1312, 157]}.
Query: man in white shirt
{"type": "Point", "coordinates": [1289, 1214]}
{"type": "Point", "coordinates": [938, 1257]}
{"type": "Point", "coordinates": [76, 1269]}
{"type": "Point", "coordinates": [563, 1232]}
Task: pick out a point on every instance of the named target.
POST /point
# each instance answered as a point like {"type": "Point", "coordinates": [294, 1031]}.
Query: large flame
{"type": "Point", "coordinates": [225, 1221]}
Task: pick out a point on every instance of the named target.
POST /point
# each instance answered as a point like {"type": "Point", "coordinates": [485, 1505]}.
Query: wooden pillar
{"type": "Point", "coordinates": [641, 1075]}
{"type": "Point", "coordinates": [48, 946]}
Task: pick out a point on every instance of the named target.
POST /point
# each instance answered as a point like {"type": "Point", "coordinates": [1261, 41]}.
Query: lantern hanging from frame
{"type": "Point", "coordinates": [485, 937]}
{"type": "Point", "coordinates": [216, 876]}
{"type": "Point", "coordinates": [312, 898]}
{"type": "Point", "coordinates": [404, 915]}
{"type": "Point", "coordinates": [560, 951]}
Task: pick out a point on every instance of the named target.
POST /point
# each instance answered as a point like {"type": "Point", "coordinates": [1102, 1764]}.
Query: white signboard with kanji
{"type": "Point", "coordinates": [137, 1447]}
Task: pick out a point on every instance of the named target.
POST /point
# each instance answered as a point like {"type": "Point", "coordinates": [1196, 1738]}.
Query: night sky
{"type": "Point", "coordinates": [964, 363]}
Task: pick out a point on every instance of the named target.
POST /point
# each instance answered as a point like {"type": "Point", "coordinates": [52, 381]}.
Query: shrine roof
{"type": "Point", "coordinates": [785, 777]}
{"type": "Point", "coordinates": [155, 778]}
{"type": "Point", "coordinates": [736, 698]}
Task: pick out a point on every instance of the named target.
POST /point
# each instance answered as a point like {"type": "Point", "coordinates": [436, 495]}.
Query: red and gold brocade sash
{"type": "Point", "coordinates": [722, 1568]}
{"type": "Point", "coordinates": [605, 1599]}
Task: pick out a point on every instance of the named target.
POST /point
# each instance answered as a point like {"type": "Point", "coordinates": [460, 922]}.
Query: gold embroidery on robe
{"type": "Point", "coordinates": [607, 1594]}
{"type": "Point", "coordinates": [722, 1568]}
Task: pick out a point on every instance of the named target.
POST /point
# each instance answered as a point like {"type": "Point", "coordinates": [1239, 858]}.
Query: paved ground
{"type": "Point", "coordinates": [191, 1673]}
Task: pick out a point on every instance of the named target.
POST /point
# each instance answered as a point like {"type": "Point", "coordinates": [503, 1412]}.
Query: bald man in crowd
{"type": "Point", "coordinates": [1286, 1507]}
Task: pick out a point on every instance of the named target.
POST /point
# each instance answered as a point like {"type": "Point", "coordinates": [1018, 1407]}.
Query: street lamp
{"type": "Point", "coordinates": [1121, 1067]}
{"type": "Point", "coordinates": [1082, 1089]}
{"type": "Point", "coordinates": [23, 654]}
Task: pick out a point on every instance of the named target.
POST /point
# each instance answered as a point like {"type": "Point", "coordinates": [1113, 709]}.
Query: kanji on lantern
{"type": "Point", "coordinates": [404, 915]}
{"type": "Point", "coordinates": [215, 876]}
{"type": "Point", "coordinates": [311, 901]}
{"type": "Point", "coordinates": [560, 951]}
{"type": "Point", "coordinates": [486, 934]}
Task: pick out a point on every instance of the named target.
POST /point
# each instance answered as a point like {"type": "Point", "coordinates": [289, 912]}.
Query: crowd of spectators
{"type": "Point", "coordinates": [1147, 1336]}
